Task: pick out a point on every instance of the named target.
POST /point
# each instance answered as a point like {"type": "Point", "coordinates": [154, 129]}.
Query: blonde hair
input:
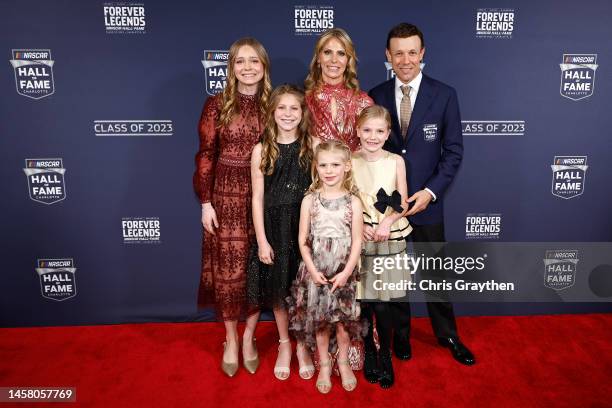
{"type": "Point", "coordinates": [270, 150]}
{"type": "Point", "coordinates": [229, 98]}
{"type": "Point", "coordinates": [332, 146]}
{"type": "Point", "coordinates": [374, 112]}
{"type": "Point", "coordinates": [314, 78]}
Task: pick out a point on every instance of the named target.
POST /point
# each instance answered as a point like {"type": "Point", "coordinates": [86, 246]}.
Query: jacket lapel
{"type": "Point", "coordinates": [424, 99]}
{"type": "Point", "coordinates": [389, 103]}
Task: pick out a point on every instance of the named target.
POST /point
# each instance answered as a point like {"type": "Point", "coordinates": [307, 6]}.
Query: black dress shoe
{"type": "Point", "coordinates": [387, 377]}
{"type": "Point", "coordinates": [371, 371]}
{"type": "Point", "coordinates": [402, 349]}
{"type": "Point", "coordinates": [460, 353]}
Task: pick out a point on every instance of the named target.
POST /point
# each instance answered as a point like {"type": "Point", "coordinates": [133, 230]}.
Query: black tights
{"type": "Point", "coordinates": [384, 324]}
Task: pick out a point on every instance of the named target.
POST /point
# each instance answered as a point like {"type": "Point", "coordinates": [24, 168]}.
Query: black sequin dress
{"type": "Point", "coordinates": [268, 285]}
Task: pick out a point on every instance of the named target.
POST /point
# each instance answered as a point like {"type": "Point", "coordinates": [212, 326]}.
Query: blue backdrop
{"type": "Point", "coordinates": [99, 113]}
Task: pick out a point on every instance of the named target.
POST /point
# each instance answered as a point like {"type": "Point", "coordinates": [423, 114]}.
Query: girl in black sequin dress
{"type": "Point", "coordinates": [280, 175]}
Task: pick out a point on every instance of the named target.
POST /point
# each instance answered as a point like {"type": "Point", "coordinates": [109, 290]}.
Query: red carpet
{"type": "Point", "coordinates": [537, 361]}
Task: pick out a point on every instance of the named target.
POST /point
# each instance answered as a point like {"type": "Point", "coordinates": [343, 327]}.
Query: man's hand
{"type": "Point", "coordinates": [421, 200]}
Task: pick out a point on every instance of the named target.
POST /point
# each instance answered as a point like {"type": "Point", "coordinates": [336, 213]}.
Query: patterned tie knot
{"type": "Point", "coordinates": [406, 89]}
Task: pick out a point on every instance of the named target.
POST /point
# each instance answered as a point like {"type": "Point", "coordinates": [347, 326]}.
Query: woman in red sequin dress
{"type": "Point", "coordinates": [332, 90]}
{"type": "Point", "coordinates": [230, 125]}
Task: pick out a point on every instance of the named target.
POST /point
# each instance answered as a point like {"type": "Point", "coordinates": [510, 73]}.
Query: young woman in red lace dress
{"type": "Point", "coordinates": [332, 90]}
{"type": "Point", "coordinates": [230, 125]}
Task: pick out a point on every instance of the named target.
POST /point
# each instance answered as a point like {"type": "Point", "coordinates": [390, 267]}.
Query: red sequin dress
{"type": "Point", "coordinates": [223, 178]}
{"type": "Point", "coordinates": [348, 107]}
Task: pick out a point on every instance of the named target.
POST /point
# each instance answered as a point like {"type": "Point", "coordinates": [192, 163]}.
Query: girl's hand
{"type": "Point", "coordinates": [209, 218]}
{"type": "Point", "coordinates": [318, 278]}
{"type": "Point", "coordinates": [368, 233]}
{"type": "Point", "coordinates": [382, 232]}
{"type": "Point", "coordinates": [266, 253]}
{"type": "Point", "coordinates": [339, 280]}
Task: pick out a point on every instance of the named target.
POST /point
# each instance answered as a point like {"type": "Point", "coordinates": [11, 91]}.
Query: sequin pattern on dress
{"type": "Point", "coordinates": [268, 285]}
{"type": "Point", "coordinates": [349, 105]}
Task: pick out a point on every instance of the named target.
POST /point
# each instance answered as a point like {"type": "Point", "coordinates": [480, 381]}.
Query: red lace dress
{"type": "Point", "coordinates": [223, 178]}
{"type": "Point", "coordinates": [348, 107]}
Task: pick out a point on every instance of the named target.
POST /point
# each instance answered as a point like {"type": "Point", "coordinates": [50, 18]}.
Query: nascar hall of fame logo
{"type": "Point", "coordinates": [124, 18]}
{"type": "Point", "coordinates": [483, 226]}
{"type": "Point", "coordinates": [430, 132]}
{"type": "Point", "coordinates": [493, 127]}
{"type": "Point", "coordinates": [569, 173]}
{"type": "Point", "coordinates": [312, 20]}
{"type": "Point", "coordinates": [57, 278]}
{"type": "Point", "coordinates": [45, 180]}
{"type": "Point", "coordinates": [391, 73]}
{"type": "Point", "coordinates": [578, 75]}
{"type": "Point", "coordinates": [33, 73]}
{"type": "Point", "coordinates": [215, 70]}
{"type": "Point", "coordinates": [497, 23]}
{"type": "Point", "coordinates": [560, 269]}
{"type": "Point", "coordinates": [141, 230]}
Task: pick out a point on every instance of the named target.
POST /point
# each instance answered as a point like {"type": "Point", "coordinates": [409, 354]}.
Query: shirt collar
{"type": "Point", "coordinates": [414, 84]}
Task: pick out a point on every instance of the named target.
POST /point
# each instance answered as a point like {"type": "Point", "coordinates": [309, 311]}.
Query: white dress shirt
{"type": "Point", "coordinates": [415, 84]}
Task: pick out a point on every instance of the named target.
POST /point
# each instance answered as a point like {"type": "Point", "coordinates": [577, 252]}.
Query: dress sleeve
{"type": "Point", "coordinates": [206, 158]}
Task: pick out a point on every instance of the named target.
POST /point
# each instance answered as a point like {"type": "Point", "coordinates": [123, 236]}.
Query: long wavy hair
{"type": "Point", "coordinates": [229, 98]}
{"type": "Point", "coordinates": [314, 78]}
{"type": "Point", "coordinates": [332, 146]}
{"type": "Point", "coordinates": [270, 150]}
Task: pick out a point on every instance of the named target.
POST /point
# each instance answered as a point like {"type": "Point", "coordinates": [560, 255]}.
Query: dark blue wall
{"type": "Point", "coordinates": [159, 75]}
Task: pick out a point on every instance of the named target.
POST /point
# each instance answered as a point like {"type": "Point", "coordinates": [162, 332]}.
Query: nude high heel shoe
{"type": "Point", "coordinates": [229, 369]}
{"type": "Point", "coordinates": [251, 365]}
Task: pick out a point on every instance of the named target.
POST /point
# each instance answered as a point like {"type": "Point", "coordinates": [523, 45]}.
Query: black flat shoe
{"type": "Point", "coordinates": [370, 366]}
{"type": "Point", "coordinates": [387, 377]}
{"type": "Point", "coordinates": [460, 353]}
{"type": "Point", "coordinates": [402, 349]}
